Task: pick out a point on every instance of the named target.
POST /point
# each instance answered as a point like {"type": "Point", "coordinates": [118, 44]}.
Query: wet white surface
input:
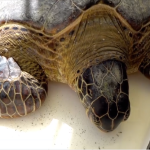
{"type": "Point", "coordinates": [61, 123]}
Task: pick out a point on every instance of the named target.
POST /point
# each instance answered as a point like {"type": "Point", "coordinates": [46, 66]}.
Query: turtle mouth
{"type": "Point", "coordinates": [104, 130]}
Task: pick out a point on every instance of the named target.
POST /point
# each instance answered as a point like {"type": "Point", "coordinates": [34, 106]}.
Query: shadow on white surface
{"type": "Point", "coordinates": [61, 123]}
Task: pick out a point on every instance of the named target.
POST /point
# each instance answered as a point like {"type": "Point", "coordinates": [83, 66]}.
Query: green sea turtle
{"type": "Point", "coordinates": [89, 44]}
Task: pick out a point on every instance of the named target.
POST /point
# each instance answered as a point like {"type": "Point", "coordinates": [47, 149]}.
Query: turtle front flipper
{"type": "Point", "coordinates": [20, 92]}
{"type": "Point", "coordinates": [103, 91]}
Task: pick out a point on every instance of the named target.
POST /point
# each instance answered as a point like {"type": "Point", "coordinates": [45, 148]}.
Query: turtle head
{"type": "Point", "coordinates": [103, 91]}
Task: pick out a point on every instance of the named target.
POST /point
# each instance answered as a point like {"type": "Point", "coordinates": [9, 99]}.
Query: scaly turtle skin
{"type": "Point", "coordinates": [90, 45]}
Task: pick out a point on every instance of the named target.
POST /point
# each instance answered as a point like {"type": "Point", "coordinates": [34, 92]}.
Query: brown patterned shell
{"type": "Point", "coordinates": [48, 15]}
{"type": "Point", "coordinates": [54, 15]}
{"type": "Point", "coordinates": [135, 12]}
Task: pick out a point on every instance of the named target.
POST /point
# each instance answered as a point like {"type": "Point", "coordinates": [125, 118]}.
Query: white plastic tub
{"type": "Point", "coordinates": [62, 124]}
